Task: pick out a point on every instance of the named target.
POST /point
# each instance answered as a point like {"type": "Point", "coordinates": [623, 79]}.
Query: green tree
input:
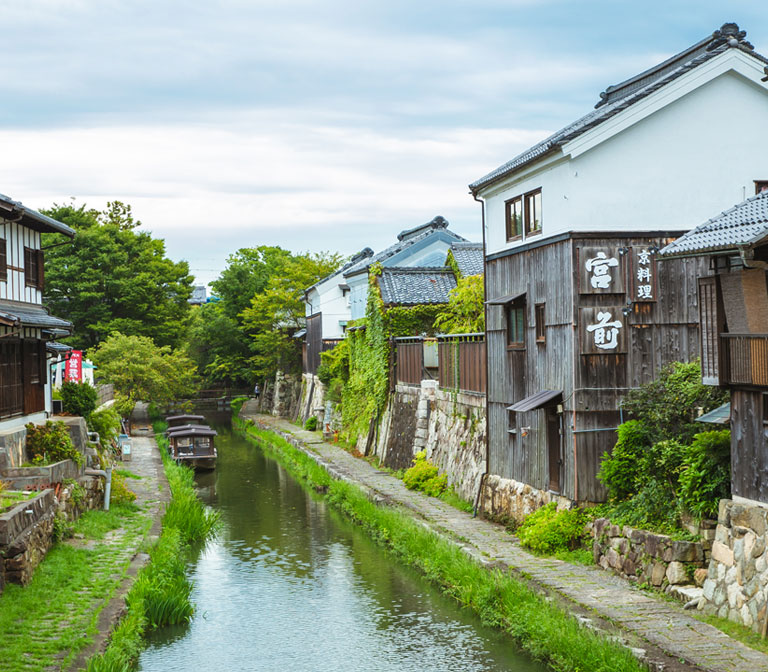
{"type": "Point", "coordinates": [465, 312]}
{"type": "Point", "coordinates": [143, 371]}
{"type": "Point", "coordinates": [115, 278]}
{"type": "Point", "coordinates": [278, 311]}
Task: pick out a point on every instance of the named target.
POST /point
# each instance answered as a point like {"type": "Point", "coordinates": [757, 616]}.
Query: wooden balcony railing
{"type": "Point", "coordinates": [745, 359]}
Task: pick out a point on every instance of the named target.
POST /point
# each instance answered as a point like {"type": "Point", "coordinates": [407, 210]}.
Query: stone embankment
{"type": "Point", "coordinates": [662, 633]}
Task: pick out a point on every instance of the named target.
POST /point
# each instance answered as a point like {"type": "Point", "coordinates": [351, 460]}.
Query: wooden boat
{"type": "Point", "coordinates": [192, 445]}
{"type": "Point", "coordinates": [185, 419]}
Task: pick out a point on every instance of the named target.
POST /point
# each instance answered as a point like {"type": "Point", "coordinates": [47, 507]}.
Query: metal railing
{"type": "Point", "coordinates": [745, 359]}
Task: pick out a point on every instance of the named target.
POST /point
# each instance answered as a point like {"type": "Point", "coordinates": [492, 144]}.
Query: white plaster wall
{"type": "Point", "coordinates": [672, 170]}
{"type": "Point", "coordinates": [358, 295]}
{"type": "Point", "coordinates": [327, 298]}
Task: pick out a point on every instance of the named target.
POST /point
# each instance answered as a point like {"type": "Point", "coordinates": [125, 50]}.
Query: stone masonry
{"type": "Point", "coordinates": [505, 499]}
{"type": "Point", "coordinates": [647, 557]}
{"type": "Point", "coordinates": [737, 581]}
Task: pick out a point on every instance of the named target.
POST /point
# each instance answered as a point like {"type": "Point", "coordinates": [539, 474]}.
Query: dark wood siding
{"type": "Point", "coordinates": [654, 330]}
{"type": "Point", "coordinates": [314, 341]}
{"type": "Point", "coordinates": [749, 452]}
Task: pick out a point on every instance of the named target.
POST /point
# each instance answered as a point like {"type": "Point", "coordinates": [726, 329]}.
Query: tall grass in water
{"type": "Point", "coordinates": [547, 632]}
{"type": "Point", "coordinates": [161, 593]}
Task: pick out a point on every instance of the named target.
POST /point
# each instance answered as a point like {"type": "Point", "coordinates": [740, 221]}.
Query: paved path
{"type": "Point", "coordinates": [670, 636]}
{"type": "Point", "coordinates": [152, 493]}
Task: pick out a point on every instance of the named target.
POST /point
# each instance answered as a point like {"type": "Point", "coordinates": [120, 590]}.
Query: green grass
{"type": "Point", "coordinates": [737, 631]}
{"type": "Point", "coordinates": [161, 593]}
{"type": "Point", "coordinates": [10, 498]}
{"type": "Point", "coordinates": [545, 631]}
{"type": "Point", "coordinates": [125, 473]}
{"type": "Point", "coordinates": [49, 621]}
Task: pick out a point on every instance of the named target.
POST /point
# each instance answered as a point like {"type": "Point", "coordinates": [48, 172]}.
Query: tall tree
{"type": "Point", "coordinates": [143, 371]}
{"type": "Point", "coordinates": [113, 277]}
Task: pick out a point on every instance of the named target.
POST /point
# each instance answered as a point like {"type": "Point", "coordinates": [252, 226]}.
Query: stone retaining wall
{"type": "Point", "coordinates": [736, 587]}
{"type": "Point", "coordinates": [27, 530]}
{"type": "Point", "coordinates": [448, 425]}
{"type": "Point", "coordinates": [26, 534]}
{"type": "Point", "coordinates": [507, 500]}
{"type": "Point", "coordinates": [647, 557]}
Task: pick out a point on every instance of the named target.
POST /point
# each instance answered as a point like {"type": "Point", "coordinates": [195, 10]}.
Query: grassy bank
{"type": "Point", "coordinates": [49, 621]}
{"type": "Point", "coordinates": [161, 593]}
{"type": "Point", "coordinates": [545, 631]}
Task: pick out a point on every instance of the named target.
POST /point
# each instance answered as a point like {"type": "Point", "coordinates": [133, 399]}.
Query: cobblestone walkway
{"type": "Point", "coordinates": [670, 637]}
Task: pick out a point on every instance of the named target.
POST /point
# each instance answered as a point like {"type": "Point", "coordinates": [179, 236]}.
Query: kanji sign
{"type": "Point", "coordinates": [74, 366]}
{"type": "Point", "coordinates": [603, 330]}
{"type": "Point", "coordinates": [601, 271]}
{"type": "Point", "coordinates": [643, 274]}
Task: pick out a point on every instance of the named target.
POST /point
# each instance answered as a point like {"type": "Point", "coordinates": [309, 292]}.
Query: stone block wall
{"type": "Point", "coordinates": [12, 448]}
{"type": "Point", "coordinates": [508, 500]}
{"type": "Point", "coordinates": [647, 557]}
{"type": "Point", "coordinates": [312, 399]}
{"type": "Point", "coordinates": [26, 534]}
{"type": "Point", "coordinates": [448, 425]}
{"type": "Point", "coordinates": [736, 587]}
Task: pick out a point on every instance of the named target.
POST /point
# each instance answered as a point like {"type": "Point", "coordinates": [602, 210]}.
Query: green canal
{"type": "Point", "coordinates": [288, 584]}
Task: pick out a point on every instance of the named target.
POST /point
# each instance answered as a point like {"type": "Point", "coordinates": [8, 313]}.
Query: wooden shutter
{"type": "Point", "coordinates": [711, 325]}
{"type": "Point", "coordinates": [3, 260]}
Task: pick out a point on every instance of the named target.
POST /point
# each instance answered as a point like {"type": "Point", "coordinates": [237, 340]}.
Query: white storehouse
{"type": "Point", "coordinates": [578, 310]}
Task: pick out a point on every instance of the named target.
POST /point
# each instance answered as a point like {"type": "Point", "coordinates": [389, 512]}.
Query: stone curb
{"type": "Point", "coordinates": [660, 634]}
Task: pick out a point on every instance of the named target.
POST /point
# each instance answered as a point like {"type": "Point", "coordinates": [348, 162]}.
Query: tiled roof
{"type": "Point", "coordinates": [468, 257]}
{"type": "Point", "coordinates": [616, 99]}
{"type": "Point", "coordinates": [404, 240]}
{"type": "Point", "coordinates": [413, 286]}
{"type": "Point", "coordinates": [743, 225]}
{"type": "Point", "coordinates": [18, 212]}
{"type": "Point", "coordinates": [32, 317]}
{"type": "Point", "coordinates": [356, 259]}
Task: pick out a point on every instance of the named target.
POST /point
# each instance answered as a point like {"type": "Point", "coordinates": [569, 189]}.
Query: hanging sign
{"type": "Point", "coordinates": [74, 366]}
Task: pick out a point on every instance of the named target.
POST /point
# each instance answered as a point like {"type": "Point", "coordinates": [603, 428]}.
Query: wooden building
{"type": "Point", "coordinates": [25, 326]}
{"type": "Point", "coordinates": [733, 305]}
{"type": "Point", "coordinates": [578, 309]}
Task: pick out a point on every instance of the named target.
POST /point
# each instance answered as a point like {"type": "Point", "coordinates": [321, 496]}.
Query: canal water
{"type": "Point", "coordinates": [290, 585]}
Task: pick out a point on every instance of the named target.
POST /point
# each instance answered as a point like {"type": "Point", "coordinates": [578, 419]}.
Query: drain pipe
{"type": "Point", "coordinates": [106, 474]}
{"type": "Point", "coordinates": [487, 376]}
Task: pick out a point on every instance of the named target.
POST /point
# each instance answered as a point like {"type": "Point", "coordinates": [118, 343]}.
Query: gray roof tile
{"type": "Point", "coordinates": [743, 225]}
{"type": "Point", "coordinates": [413, 286]}
{"type": "Point", "coordinates": [33, 317]}
{"type": "Point", "coordinates": [469, 258]}
{"type": "Point", "coordinates": [616, 99]}
{"type": "Point", "coordinates": [404, 240]}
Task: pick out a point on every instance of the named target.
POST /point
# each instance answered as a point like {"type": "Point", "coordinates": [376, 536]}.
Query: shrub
{"type": "Point", "coordinates": [548, 530]}
{"type": "Point", "coordinates": [50, 443]}
{"type": "Point", "coordinates": [423, 475]}
{"type": "Point", "coordinates": [78, 398]}
{"type": "Point", "coordinates": [311, 423]}
{"type": "Point", "coordinates": [667, 405]}
{"type": "Point", "coordinates": [620, 470]}
{"type": "Point", "coordinates": [106, 423]}
{"type": "Point", "coordinates": [706, 477]}
{"type": "Point", "coordinates": [120, 492]}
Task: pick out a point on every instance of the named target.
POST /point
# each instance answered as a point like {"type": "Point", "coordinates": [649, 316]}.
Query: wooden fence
{"type": "Point", "coordinates": [746, 359]}
{"type": "Point", "coordinates": [460, 361]}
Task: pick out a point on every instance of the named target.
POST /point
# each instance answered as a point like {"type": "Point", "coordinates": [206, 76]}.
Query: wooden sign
{"type": "Point", "coordinates": [601, 270]}
{"type": "Point", "coordinates": [603, 330]}
{"type": "Point", "coordinates": [643, 274]}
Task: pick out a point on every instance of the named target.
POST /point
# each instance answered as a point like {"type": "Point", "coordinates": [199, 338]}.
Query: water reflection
{"type": "Point", "coordinates": [290, 585]}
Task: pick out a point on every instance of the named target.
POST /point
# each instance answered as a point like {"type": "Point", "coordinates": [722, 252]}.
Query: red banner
{"type": "Point", "coordinates": [74, 367]}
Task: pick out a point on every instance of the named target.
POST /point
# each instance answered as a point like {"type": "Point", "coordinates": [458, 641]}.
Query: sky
{"type": "Point", "coordinates": [316, 126]}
